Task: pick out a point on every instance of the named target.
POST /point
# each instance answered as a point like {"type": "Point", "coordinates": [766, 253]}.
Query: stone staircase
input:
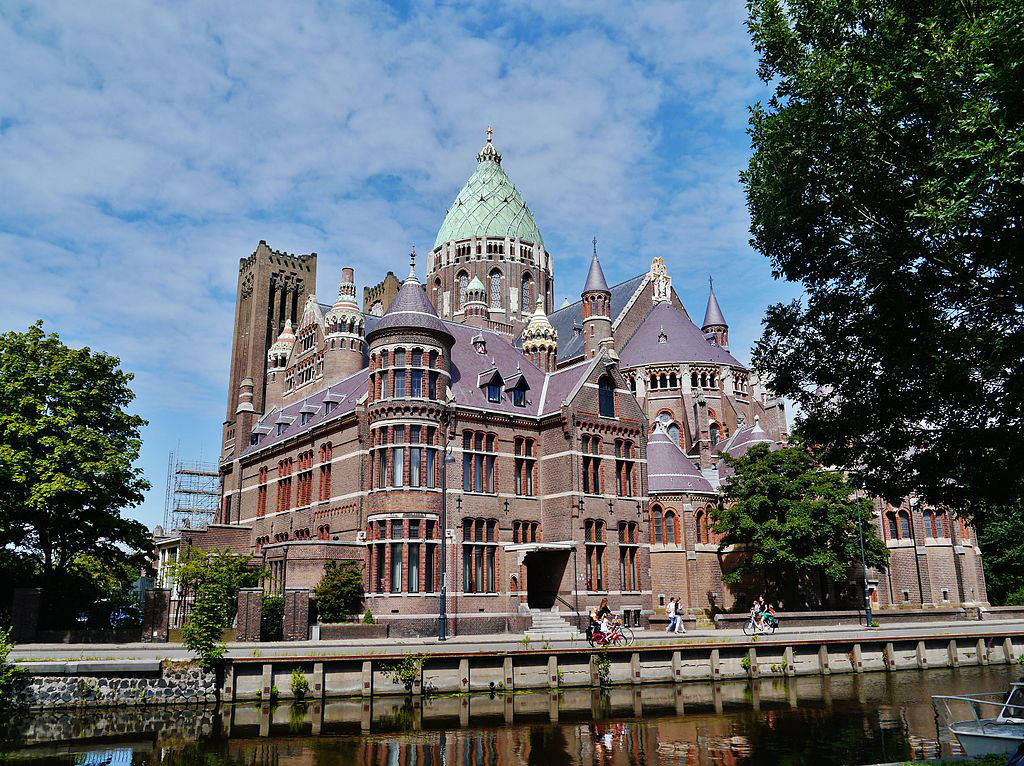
{"type": "Point", "coordinates": [548, 624]}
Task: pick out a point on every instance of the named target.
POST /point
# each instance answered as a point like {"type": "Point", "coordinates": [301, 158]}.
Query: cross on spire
{"type": "Point", "coordinates": [490, 133]}
{"type": "Point", "coordinates": [412, 263]}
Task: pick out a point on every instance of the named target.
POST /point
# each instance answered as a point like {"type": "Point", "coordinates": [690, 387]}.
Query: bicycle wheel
{"type": "Point", "coordinates": [773, 626]}
{"type": "Point", "coordinates": [627, 633]}
{"type": "Point", "coordinates": [619, 640]}
{"type": "Point", "coordinates": [747, 629]}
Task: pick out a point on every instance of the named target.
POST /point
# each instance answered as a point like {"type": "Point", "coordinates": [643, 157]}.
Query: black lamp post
{"type": "Point", "coordinates": [448, 422]}
{"type": "Point", "coordinates": [868, 619]}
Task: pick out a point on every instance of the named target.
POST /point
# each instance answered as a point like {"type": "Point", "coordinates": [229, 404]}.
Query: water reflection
{"type": "Point", "coordinates": [849, 719]}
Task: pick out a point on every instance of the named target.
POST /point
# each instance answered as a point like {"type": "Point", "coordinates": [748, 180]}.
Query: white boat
{"type": "Point", "coordinates": [980, 736]}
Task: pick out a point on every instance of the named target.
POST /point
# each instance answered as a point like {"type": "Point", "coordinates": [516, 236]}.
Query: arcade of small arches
{"type": "Point", "coordinates": [666, 527]}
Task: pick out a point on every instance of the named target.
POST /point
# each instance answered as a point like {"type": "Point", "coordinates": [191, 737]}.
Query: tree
{"type": "Point", "coordinates": [210, 581]}
{"type": "Point", "coordinates": [1002, 540]}
{"type": "Point", "coordinates": [795, 523]}
{"type": "Point", "coordinates": [68, 448]}
{"type": "Point", "coordinates": [887, 178]}
{"type": "Point", "coordinates": [339, 594]}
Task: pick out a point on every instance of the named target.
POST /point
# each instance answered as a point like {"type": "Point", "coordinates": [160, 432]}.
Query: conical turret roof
{"type": "Point", "coordinates": [713, 314]}
{"type": "Point", "coordinates": [488, 205]}
{"type": "Point", "coordinates": [595, 277]}
{"type": "Point", "coordinates": [411, 308]}
{"type": "Point", "coordinates": [668, 469]}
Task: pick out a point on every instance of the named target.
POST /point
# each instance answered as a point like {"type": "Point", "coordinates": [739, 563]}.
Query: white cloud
{"type": "Point", "coordinates": [146, 147]}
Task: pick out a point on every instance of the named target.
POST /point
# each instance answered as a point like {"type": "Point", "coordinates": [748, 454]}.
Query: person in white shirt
{"type": "Point", "coordinates": [680, 628]}
{"type": "Point", "coordinates": [671, 616]}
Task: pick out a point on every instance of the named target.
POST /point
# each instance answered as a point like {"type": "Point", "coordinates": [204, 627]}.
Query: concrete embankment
{"type": "Point", "coordinates": [358, 671]}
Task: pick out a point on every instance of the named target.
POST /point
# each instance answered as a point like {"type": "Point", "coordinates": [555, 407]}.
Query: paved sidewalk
{"type": "Point", "coordinates": [505, 642]}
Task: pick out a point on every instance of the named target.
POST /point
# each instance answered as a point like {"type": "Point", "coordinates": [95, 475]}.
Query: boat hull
{"type": "Point", "coordinates": [981, 738]}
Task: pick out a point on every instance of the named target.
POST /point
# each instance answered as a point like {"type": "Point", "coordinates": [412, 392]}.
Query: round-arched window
{"type": "Point", "coordinates": [606, 396]}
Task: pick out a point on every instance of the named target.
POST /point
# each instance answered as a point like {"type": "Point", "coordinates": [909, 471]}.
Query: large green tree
{"type": "Point", "coordinates": [887, 178]}
{"type": "Point", "coordinates": [68, 447]}
{"type": "Point", "coordinates": [797, 525]}
{"type": "Point", "coordinates": [1002, 540]}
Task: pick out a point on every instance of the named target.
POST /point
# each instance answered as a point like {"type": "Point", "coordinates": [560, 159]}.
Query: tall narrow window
{"type": "Point", "coordinates": [656, 525]}
{"type": "Point", "coordinates": [396, 567]}
{"type": "Point", "coordinates": [525, 465]}
{"type": "Point", "coordinates": [495, 289]}
{"type": "Point", "coordinates": [606, 396]}
{"type": "Point", "coordinates": [415, 456]}
{"type": "Point", "coordinates": [398, 458]}
{"type": "Point", "coordinates": [670, 528]}
{"type": "Point", "coordinates": [463, 286]}
{"type": "Point", "coordinates": [591, 465]}
{"type": "Point", "coordinates": [414, 568]}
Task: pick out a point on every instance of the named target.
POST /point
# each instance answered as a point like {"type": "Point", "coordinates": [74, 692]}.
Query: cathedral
{"type": "Point", "coordinates": [461, 428]}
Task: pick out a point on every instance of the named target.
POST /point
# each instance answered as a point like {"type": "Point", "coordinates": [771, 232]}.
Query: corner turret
{"type": "Point", "coordinates": [597, 310]}
{"type": "Point", "coordinates": [343, 332]}
{"type": "Point", "coordinates": [714, 322]}
{"type": "Point", "coordinates": [540, 339]}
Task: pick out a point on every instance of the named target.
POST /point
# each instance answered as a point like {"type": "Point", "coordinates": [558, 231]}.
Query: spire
{"type": "Point", "coordinates": [595, 277]}
{"type": "Point", "coordinates": [412, 266]}
{"type": "Point", "coordinates": [713, 316]}
{"type": "Point", "coordinates": [488, 153]}
{"type": "Point", "coordinates": [540, 339]}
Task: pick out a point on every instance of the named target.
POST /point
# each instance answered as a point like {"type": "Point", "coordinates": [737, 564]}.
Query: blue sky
{"type": "Point", "coordinates": [146, 147]}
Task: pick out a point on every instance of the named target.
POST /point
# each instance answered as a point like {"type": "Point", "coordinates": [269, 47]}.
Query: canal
{"type": "Point", "coordinates": [813, 720]}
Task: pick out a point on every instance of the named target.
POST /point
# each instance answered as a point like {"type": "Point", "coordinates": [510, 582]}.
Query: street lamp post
{"type": "Point", "coordinates": [448, 423]}
{"type": "Point", "coordinates": [868, 619]}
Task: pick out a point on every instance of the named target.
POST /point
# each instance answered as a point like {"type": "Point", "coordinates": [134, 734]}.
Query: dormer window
{"type": "Point", "coordinates": [517, 387]}
{"type": "Point", "coordinates": [662, 336]}
{"type": "Point", "coordinates": [254, 439]}
{"type": "Point", "coordinates": [281, 427]}
{"type": "Point", "coordinates": [328, 406]}
{"type": "Point", "coordinates": [518, 397]}
{"type": "Point", "coordinates": [479, 344]}
{"type": "Point", "coordinates": [494, 392]}
{"type": "Point", "coordinates": [492, 383]}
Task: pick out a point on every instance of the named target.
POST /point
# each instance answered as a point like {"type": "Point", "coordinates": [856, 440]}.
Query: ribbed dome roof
{"type": "Point", "coordinates": [488, 205]}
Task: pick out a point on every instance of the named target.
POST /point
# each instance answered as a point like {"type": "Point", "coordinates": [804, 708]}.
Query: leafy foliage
{"type": "Point", "coordinates": [406, 671]}
{"type": "Point", "coordinates": [339, 594]}
{"type": "Point", "coordinates": [886, 178]}
{"type": "Point", "coordinates": [795, 521]}
{"type": "Point", "coordinates": [68, 447]}
{"type": "Point", "coordinates": [7, 670]}
{"type": "Point", "coordinates": [300, 684]}
{"type": "Point", "coordinates": [272, 618]}
{"type": "Point", "coordinates": [1002, 540]}
{"type": "Point", "coordinates": [210, 580]}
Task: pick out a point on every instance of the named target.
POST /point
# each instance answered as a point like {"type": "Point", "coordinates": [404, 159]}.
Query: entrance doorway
{"type": "Point", "coordinates": [544, 572]}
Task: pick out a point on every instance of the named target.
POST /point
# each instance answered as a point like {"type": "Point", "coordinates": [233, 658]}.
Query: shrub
{"type": "Point", "coordinates": [368, 618]}
{"type": "Point", "coordinates": [405, 671]}
{"type": "Point", "coordinates": [604, 667]}
{"type": "Point", "coordinates": [272, 619]}
{"type": "Point", "coordinates": [7, 669]}
{"type": "Point", "coordinates": [339, 594]}
{"type": "Point", "coordinates": [745, 662]}
{"type": "Point", "coordinates": [300, 684]}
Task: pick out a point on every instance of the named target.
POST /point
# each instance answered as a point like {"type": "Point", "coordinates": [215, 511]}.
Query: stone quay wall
{"type": "Point", "coordinates": [113, 683]}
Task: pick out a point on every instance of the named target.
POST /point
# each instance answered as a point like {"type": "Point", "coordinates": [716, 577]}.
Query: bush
{"type": "Point", "coordinates": [368, 618]}
{"type": "Point", "coordinates": [7, 670]}
{"type": "Point", "coordinates": [212, 581]}
{"type": "Point", "coordinates": [339, 594]}
{"type": "Point", "coordinates": [272, 619]}
{"type": "Point", "coordinates": [300, 684]}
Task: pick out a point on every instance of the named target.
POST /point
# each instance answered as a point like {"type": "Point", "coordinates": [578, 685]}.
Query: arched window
{"type": "Point", "coordinates": [693, 379]}
{"type": "Point", "coordinates": [891, 526]}
{"type": "Point", "coordinates": [929, 523]}
{"type": "Point", "coordinates": [663, 381]}
{"type": "Point", "coordinates": [716, 433]}
{"type": "Point", "coordinates": [495, 286]}
{"type": "Point", "coordinates": [606, 396]}
{"type": "Point", "coordinates": [656, 525]}
{"type": "Point", "coordinates": [942, 524]}
{"type": "Point", "coordinates": [528, 299]}
{"type": "Point", "coordinates": [670, 528]}
{"type": "Point", "coordinates": [672, 380]}
{"type": "Point", "coordinates": [700, 527]}
{"type": "Point", "coordinates": [674, 433]}
{"type": "Point", "coordinates": [463, 286]}
{"type": "Point", "coordinates": [437, 294]}
{"type": "Point", "coordinates": [905, 525]}
{"type": "Point", "coordinates": [704, 379]}
{"type": "Point", "coordinates": [654, 382]}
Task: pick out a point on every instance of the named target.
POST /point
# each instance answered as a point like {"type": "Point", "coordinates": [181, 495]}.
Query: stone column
{"type": "Point", "coordinates": [296, 614]}
{"type": "Point", "coordinates": [250, 614]}
{"type": "Point", "coordinates": [25, 614]}
{"type": "Point", "coordinates": [156, 615]}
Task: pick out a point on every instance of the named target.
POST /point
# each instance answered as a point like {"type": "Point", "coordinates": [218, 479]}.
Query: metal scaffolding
{"type": "Point", "coordinates": [193, 493]}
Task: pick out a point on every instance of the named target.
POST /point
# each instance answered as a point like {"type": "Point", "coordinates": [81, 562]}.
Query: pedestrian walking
{"type": "Point", "coordinates": [671, 616]}
{"type": "Point", "coordinates": [680, 627]}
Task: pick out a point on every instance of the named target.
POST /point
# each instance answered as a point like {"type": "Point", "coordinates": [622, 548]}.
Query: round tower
{"type": "Point", "coordinates": [597, 310]}
{"type": "Point", "coordinates": [540, 340]}
{"type": "Point", "coordinates": [489, 234]}
{"type": "Point", "coordinates": [475, 306]}
{"type": "Point", "coordinates": [343, 332]}
{"type": "Point", "coordinates": [407, 414]}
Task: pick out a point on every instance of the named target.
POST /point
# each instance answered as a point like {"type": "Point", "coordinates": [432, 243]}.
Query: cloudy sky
{"type": "Point", "coordinates": [146, 147]}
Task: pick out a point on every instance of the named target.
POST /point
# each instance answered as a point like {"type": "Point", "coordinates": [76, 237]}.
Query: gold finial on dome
{"type": "Point", "coordinates": [489, 152]}
{"type": "Point", "coordinates": [490, 134]}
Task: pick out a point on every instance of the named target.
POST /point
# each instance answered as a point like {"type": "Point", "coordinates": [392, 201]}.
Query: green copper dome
{"type": "Point", "coordinates": [488, 205]}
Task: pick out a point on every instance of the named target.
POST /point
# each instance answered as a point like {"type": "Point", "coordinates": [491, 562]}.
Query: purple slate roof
{"type": "Point", "coordinates": [684, 343]}
{"type": "Point", "coordinates": [668, 469]}
{"type": "Point", "coordinates": [741, 441]}
{"type": "Point", "coordinates": [344, 394]}
{"type": "Point", "coordinates": [410, 308]}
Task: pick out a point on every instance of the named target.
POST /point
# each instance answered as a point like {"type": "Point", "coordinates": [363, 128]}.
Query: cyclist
{"type": "Point", "coordinates": [755, 616]}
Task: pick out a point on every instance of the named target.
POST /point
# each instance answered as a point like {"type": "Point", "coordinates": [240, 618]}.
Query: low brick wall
{"type": "Point", "coordinates": [113, 683]}
{"type": "Point", "coordinates": [335, 630]}
{"type": "Point", "coordinates": [847, 617]}
{"type": "Point", "coordinates": [1003, 613]}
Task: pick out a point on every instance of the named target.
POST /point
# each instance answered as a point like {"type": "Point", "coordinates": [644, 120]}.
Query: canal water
{"type": "Point", "coordinates": [844, 719]}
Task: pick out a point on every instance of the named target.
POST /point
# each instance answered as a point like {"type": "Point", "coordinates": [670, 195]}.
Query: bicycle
{"type": "Point", "coordinates": [769, 624]}
{"type": "Point", "coordinates": [618, 635]}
